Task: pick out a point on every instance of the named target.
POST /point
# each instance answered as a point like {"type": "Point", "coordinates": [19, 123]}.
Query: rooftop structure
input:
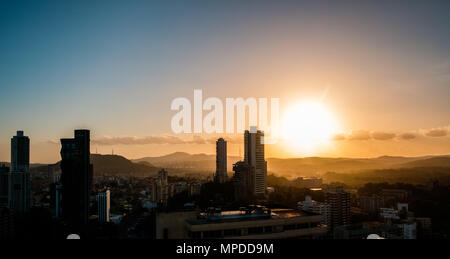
{"type": "Point", "coordinates": [253, 222]}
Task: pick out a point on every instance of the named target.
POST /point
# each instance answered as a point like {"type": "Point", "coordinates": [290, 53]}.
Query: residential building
{"type": "Point", "coordinates": [221, 161]}
{"type": "Point", "coordinates": [254, 156]}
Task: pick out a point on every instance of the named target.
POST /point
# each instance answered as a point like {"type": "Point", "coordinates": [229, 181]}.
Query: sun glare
{"type": "Point", "coordinates": [307, 125]}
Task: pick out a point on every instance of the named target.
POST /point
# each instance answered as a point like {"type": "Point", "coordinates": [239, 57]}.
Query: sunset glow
{"type": "Point", "coordinates": [307, 125]}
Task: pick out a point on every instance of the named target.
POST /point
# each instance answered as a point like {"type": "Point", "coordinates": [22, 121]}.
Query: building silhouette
{"type": "Point", "coordinates": [104, 201]}
{"type": "Point", "coordinates": [339, 201]}
{"type": "Point", "coordinates": [58, 200]}
{"type": "Point", "coordinates": [221, 161]}
{"type": "Point", "coordinates": [7, 224]}
{"type": "Point", "coordinates": [243, 180]}
{"type": "Point", "coordinates": [76, 178]}
{"type": "Point", "coordinates": [254, 157]}
{"type": "Point", "coordinates": [19, 196]}
{"type": "Point", "coordinates": [160, 188]}
{"type": "Point", "coordinates": [4, 185]}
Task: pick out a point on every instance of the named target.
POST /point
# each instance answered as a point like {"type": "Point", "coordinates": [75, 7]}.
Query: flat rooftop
{"type": "Point", "coordinates": [238, 215]}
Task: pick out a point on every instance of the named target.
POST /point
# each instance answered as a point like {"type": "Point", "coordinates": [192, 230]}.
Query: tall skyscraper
{"type": "Point", "coordinates": [76, 178]}
{"type": "Point", "coordinates": [254, 157]}
{"type": "Point", "coordinates": [19, 194]}
{"type": "Point", "coordinates": [339, 201]}
{"type": "Point", "coordinates": [221, 161]}
{"type": "Point", "coordinates": [4, 185]}
{"type": "Point", "coordinates": [103, 200]}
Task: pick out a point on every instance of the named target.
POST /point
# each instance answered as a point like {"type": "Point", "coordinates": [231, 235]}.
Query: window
{"type": "Point", "coordinates": [212, 234]}
{"type": "Point", "coordinates": [195, 235]}
{"type": "Point", "coordinates": [232, 232]}
{"type": "Point", "coordinates": [253, 231]}
{"type": "Point", "coordinates": [289, 227]}
{"type": "Point", "coordinates": [302, 226]}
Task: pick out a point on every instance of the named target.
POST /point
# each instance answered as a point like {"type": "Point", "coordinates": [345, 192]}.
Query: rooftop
{"type": "Point", "coordinates": [260, 213]}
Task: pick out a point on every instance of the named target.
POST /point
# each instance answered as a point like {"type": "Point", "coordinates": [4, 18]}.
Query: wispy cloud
{"type": "Point", "coordinates": [439, 132]}
{"type": "Point", "coordinates": [407, 136]}
{"type": "Point", "coordinates": [379, 135]}
{"type": "Point", "coordinates": [359, 135]}
{"type": "Point", "coordinates": [356, 135]}
{"type": "Point", "coordinates": [156, 140]}
{"type": "Point", "coordinates": [383, 135]}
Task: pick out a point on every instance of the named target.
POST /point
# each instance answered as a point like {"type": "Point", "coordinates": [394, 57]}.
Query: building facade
{"type": "Point", "coordinates": [243, 180]}
{"type": "Point", "coordinates": [19, 189]}
{"type": "Point", "coordinates": [76, 178]}
{"type": "Point", "coordinates": [371, 204]}
{"type": "Point", "coordinates": [4, 185]}
{"type": "Point", "coordinates": [221, 161]}
{"type": "Point", "coordinates": [104, 205]}
{"type": "Point", "coordinates": [339, 201]}
{"type": "Point", "coordinates": [160, 188]}
{"type": "Point", "coordinates": [316, 207]}
{"type": "Point", "coordinates": [254, 156]}
{"type": "Point", "coordinates": [248, 223]}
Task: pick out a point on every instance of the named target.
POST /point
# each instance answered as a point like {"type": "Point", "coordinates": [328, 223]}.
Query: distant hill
{"type": "Point", "coordinates": [112, 165]}
{"type": "Point", "coordinates": [307, 166]}
{"type": "Point", "coordinates": [8, 164]}
{"type": "Point", "coordinates": [188, 164]}
{"type": "Point", "coordinates": [441, 161]}
{"type": "Point", "coordinates": [119, 165]}
{"type": "Point", "coordinates": [182, 160]}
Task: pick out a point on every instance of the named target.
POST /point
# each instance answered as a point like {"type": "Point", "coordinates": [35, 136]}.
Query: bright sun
{"type": "Point", "coordinates": [307, 125]}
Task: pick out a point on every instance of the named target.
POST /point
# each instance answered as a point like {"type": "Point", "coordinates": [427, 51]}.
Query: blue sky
{"type": "Point", "coordinates": [115, 66]}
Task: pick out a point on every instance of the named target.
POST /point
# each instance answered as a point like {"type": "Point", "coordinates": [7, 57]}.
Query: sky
{"type": "Point", "coordinates": [381, 67]}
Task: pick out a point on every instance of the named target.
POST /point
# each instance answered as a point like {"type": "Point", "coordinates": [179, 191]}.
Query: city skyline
{"type": "Point", "coordinates": [381, 69]}
{"type": "Point", "coordinates": [224, 127]}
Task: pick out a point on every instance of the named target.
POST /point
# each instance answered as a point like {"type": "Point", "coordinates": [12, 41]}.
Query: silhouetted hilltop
{"type": "Point", "coordinates": [119, 165]}
{"type": "Point", "coordinates": [111, 165]}
{"type": "Point", "coordinates": [300, 166]}
{"type": "Point", "coordinates": [442, 161]}
{"type": "Point", "coordinates": [185, 163]}
{"type": "Point", "coordinates": [201, 162]}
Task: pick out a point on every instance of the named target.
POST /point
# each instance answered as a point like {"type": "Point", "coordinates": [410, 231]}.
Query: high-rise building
{"type": "Point", "coordinates": [76, 177]}
{"type": "Point", "coordinates": [160, 188]}
{"type": "Point", "coordinates": [163, 177]}
{"type": "Point", "coordinates": [4, 189]}
{"type": "Point", "coordinates": [221, 161]}
{"type": "Point", "coordinates": [339, 201]}
{"type": "Point", "coordinates": [103, 200]}
{"type": "Point", "coordinates": [243, 180]}
{"type": "Point", "coordinates": [19, 196]}
{"type": "Point", "coordinates": [254, 157]}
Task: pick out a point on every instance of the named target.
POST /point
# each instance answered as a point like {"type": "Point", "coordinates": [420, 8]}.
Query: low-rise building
{"type": "Point", "coordinates": [253, 222]}
{"type": "Point", "coordinates": [316, 207]}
